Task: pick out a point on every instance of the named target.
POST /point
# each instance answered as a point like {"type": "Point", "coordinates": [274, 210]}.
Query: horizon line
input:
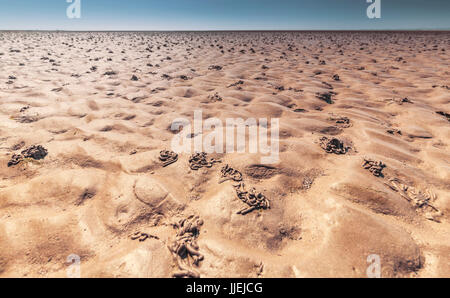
{"type": "Point", "coordinates": [238, 30]}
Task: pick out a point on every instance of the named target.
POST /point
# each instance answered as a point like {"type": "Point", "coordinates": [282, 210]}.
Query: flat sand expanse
{"type": "Point", "coordinates": [364, 165]}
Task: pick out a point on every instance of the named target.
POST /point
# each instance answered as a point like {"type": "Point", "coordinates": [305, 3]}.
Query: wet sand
{"type": "Point", "coordinates": [364, 163]}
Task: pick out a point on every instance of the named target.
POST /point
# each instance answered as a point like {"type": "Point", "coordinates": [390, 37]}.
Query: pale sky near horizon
{"type": "Point", "coordinates": [224, 15]}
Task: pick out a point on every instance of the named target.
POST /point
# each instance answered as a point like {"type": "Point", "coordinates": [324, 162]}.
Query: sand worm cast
{"type": "Point", "coordinates": [215, 97]}
{"type": "Point", "coordinates": [254, 200]}
{"type": "Point", "coordinates": [198, 160]}
{"type": "Point", "coordinates": [375, 167]}
{"type": "Point", "coordinates": [341, 121]}
{"type": "Point", "coordinates": [326, 97]}
{"type": "Point", "coordinates": [142, 236]}
{"type": "Point", "coordinates": [421, 200]}
{"type": "Point", "coordinates": [185, 249]}
{"type": "Point", "coordinates": [333, 145]}
{"type": "Point", "coordinates": [34, 152]}
{"type": "Point", "coordinates": [168, 157]}
{"type": "Point", "coordinates": [228, 173]}
{"type": "Point", "coordinates": [15, 160]}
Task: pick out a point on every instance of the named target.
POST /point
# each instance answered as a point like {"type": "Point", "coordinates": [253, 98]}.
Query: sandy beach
{"type": "Point", "coordinates": [363, 169]}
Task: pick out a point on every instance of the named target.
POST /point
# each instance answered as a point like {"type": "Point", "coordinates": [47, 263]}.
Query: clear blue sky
{"type": "Point", "coordinates": [223, 15]}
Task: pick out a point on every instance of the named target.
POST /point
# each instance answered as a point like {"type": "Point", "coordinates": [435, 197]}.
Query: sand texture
{"type": "Point", "coordinates": [364, 163]}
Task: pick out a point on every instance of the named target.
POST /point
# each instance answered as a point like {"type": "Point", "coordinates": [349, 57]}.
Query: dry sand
{"type": "Point", "coordinates": [101, 181]}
